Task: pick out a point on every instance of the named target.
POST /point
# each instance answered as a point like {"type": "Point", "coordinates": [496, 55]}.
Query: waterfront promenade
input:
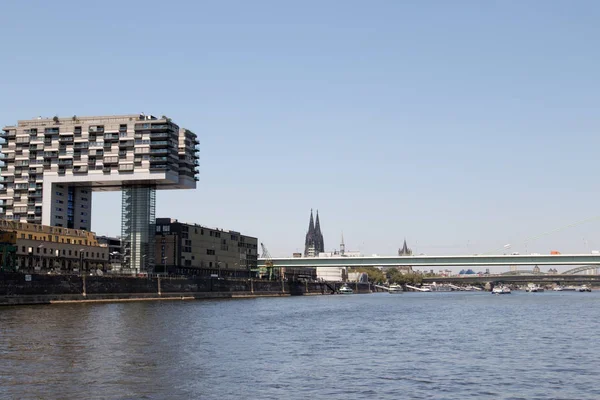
{"type": "Point", "coordinates": [23, 289]}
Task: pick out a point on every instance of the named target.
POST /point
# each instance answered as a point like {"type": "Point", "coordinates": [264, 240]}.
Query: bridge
{"type": "Point", "coordinates": [518, 279]}
{"type": "Point", "coordinates": [585, 261]}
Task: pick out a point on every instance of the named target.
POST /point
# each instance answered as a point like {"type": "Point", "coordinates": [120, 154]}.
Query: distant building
{"type": "Point", "coordinates": [536, 270]}
{"type": "Point", "coordinates": [191, 249]}
{"type": "Point", "coordinates": [404, 251]}
{"type": "Point", "coordinates": [313, 243]}
{"type": "Point", "coordinates": [115, 256]}
{"type": "Point", "coordinates": [358, 277]}
{"type": "Point", "coordinates": [297, 255]}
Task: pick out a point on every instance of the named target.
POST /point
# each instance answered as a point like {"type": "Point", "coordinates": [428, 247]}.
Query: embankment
{"type": "Point", "coordinates": [20, 289]}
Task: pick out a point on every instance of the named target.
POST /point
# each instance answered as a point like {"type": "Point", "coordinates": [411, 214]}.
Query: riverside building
{"type": "Point", "coordinates": [46, 248]}
{"type": "Point", "coordinates": [53, 165]}
{"type": "Point", "coordinates": [191, 249]}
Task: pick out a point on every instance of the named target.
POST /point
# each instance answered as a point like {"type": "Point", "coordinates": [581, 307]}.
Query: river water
{"type": "Point", "coordinates": [379, 346]}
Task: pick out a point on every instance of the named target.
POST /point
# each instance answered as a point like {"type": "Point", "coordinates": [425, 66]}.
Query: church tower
{"type": "Point", "coordinates": [319, 243]}
{"type": "Point", "coordinates": [313, 244]}
{"type": "Point", "coordinates": [310, 235]}
{"type": "Point", "coordinates": [404, 251]}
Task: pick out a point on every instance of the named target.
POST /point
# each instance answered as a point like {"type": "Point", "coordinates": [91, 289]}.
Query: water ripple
{"type": "Point", "coordinates": [414, 345]}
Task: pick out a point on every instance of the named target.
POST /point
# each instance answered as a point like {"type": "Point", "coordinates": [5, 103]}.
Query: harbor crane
{"type": "Point", "coordinates": [268, 260]}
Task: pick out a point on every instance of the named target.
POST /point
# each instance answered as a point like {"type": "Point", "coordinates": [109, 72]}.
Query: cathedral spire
{"type": "Point", "coordinates": [317, 225]}
{"type": "Point", "coordinates": [404, 251]}
{"type": "Point", "coordinates": [310, 236]}
{"type": "Point", "coordinates": [319, 243]}
{"type": "Point", "coordinates": [311, 224]}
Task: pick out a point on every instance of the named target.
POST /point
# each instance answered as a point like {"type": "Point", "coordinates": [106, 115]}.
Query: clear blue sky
{"type": "Point", "coordinates": [460, 125]}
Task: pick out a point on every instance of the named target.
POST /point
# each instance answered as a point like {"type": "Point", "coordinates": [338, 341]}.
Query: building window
{"type": "Point", "coordinates": [64, 252]}
{"type": "Point", "coordinates": [30, 236]}
{"type": "Point", "coordinates": [59, 202]}
{"type": "Point", "coordinates": [69, 252]}
{"type": "Point", "coordinates": [44, 250]}
{"type": "Point", "coordinates": [210, 252]}
{"type": "Point", "coordinates": [84, 199]}
{"type": "Point", "coordinates": [84, 221]}
{"type": "Point", "coordinates": [84, 206]}
{"type": "Point", "coordinates": [59, 193]}
{"type": "Point", "coordinates": [58, 209]}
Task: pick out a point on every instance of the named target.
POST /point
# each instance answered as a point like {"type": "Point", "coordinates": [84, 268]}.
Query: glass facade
{"type": "Point", "coordinates": [138, 219]}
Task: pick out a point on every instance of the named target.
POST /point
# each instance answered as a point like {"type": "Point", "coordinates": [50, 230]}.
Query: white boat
{"type": "Point", "coordinates": [584, 288]}
{"type": "Point", "coordinates": [533, 288]}
{"type": "Point", "coordinates": [345, 289]}
{"type": "Point", "coordinates": [501, 290]}
{"type": "Point", "coordinates": [557, 288]}
{"type": "Point", "coordinates": [395, 289]}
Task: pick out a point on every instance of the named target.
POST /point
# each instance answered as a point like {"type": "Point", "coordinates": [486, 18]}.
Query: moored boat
{"type": "Point", "coordinates": [345, 289]}
{"type": "Point", "coordinates": [395, 289]}
{"type": "Point", "coordinates": [501, 290]}
{"type": "Point", "coordinates": [533, 288]}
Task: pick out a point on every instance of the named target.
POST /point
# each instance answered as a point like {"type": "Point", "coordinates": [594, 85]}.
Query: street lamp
{"type": "Point", "coordinates": [218, 269]}
{"type": "Point", "coordinates": [81, 259]}
{"type": "Point", "coordinates": [30, 263]}
{"type": "Point", "coordinates": [39, 256]}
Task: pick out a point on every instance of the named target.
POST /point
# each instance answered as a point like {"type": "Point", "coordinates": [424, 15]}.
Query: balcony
{"type": "Point", "coordinates": [96, 129]}
{"type": "Point", "coordinates": [159, 143]}
{"type": "Point", "coordinates": [158, 167]}
{"type": "Point", "coordinates": [80, 169]}
{"type": "Point", "coordinates": [110, 160]}
{"type": "Point", "coordinates": [158, 159]}
{"type": "Point", "coordinates": [126, 168]}
{"type": "Point", "coordinates": [126, 143]}
{"type": "Point", "coordinates": [160, 135]}
{"type": "Point", "coordinates": [65, 139]}
{"type": "Point", "coordinates": [159, 151]}
{"type": "Point", "coordinates": [83, 145]}
{"type": "Point", "coordinates": [111, 136]}
{"type": "Point", "coordinates": [51, 131]}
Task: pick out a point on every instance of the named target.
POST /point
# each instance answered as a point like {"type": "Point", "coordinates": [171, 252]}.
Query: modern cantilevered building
{"type": "Point", "coordinates": [52, 166]}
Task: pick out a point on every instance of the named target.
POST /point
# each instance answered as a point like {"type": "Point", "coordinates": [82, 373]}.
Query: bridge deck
{"type": "Point", "coordinates": [431, 261]}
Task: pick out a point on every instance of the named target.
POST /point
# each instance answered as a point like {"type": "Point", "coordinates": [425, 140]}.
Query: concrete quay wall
{"type": "Point", "coordinates": [21, 289]}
